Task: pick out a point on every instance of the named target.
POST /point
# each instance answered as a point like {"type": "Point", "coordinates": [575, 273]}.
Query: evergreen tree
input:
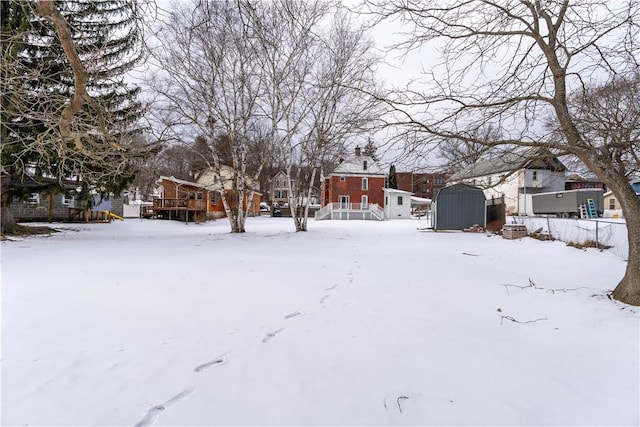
{"type": "Point", "coordinates": [392, 182]}
{"type": "Point", "coordinates": [38, 82]}
{"type": "Point", "coordinates": [370, 150]}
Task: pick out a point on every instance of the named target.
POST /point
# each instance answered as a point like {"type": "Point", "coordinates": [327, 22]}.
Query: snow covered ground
{"type": "Point", "coordinates": [352, 323]}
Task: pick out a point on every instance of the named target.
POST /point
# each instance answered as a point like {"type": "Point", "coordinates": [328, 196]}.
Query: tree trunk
{"type": "Point", "coordinates": [50, 208]}
{"type": "Point", "coordinates": [628, 290]}
{"type": "Point", "coordinates": [7, 222]}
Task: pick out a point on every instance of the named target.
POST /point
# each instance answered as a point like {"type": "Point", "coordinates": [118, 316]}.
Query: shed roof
{"type": "Point", "coordinates": [459, 187]}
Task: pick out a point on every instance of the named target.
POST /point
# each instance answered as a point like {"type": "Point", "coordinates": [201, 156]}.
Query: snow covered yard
{"type": "Point", "coordinates": [352, 323]}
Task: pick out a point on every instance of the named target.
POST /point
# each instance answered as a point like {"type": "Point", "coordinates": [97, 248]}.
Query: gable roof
{"type": "Point", "coordinates": [179, 181]}
{"type": "Point", "coordinates": [531, 158]}
{"type": "Point", "coordinates": [292, 175]}
{"type": "Point", "coordinates": [355, 166]}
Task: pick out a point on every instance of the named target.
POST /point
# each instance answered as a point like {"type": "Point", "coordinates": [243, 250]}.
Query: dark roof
{"type": "Point", "coordinates": [42, 183]}
{"type": "Point", "coordinates": [531, 158]}
{"type": "Point", "coordinates": [574, 177]}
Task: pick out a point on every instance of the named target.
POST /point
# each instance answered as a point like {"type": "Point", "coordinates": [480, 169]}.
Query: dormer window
{"type": "Point", "coordinates": [364, 164]}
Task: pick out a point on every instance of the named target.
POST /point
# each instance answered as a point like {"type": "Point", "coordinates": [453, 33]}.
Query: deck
{"type": "Point", "coordinates": [182, 208]}
{"type": "Point", "coordinates": [351, 211]}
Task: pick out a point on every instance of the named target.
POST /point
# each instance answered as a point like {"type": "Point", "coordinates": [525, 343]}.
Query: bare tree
{"type": "Point", "coordinates": [513, 64]}
{"type": "Point", "coordinates": [210, 84]}
{"type": "Point", "coordinates": [340, 108]}
{"type": "Point", "coordinates": [458, 154]}
{"type": "Point", "coordinates": [289, 45]}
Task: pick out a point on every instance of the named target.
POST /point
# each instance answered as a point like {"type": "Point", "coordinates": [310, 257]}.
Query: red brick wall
{"type": "Point", "coordinates": [421, 184]}
{"type": "Point", "coordinates": [352, 187]}
{"type": "Point", "coordinates": [404, 181]}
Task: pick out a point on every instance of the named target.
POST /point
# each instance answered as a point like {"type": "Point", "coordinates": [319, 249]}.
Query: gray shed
{"type": "Point", "coordinates": [457, 207]}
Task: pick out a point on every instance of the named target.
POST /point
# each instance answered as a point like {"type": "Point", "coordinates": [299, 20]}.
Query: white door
{"type": "Point", "coordinates": [365, 202]}
{"type": "Point", "coordinates": [344, 202]}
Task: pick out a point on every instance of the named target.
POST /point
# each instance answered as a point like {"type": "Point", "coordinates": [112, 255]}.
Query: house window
{"type": "Point", "coordinates": [199, 195]}
{"type": "Point", "coordinates": [34, 199]}
{"type": "Point", "coordinates": [67, 199]}
{"type": "Point", "coordinates": [612, 203]}
{"type": "Point", "coordinates": [365, 184]}
{"type": "Point", "coordinates": [215, 197]}
{"type": "Point", "coordinates": [365, 202]}
{"type": "Point", "coordinates": [364, 164]}
{"type": "Point", "coordinates": [399, 200]}
{"type": "Point", "coordinates": [535, 175]}
{"type": "Point", "coordinates": [342, 178]}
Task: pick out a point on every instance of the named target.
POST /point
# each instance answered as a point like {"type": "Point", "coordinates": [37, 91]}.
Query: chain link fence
{"type": "Point", "coordinates": [601, 232]}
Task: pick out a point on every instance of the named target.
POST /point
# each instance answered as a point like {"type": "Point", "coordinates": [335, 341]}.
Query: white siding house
{"type": "Point", "coordinates": [397, 203]}
{"type": "Point", "coordinates": [515, 176]}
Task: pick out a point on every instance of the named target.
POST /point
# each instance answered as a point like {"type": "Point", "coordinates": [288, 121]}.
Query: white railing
{"type": "Point", "coordinates": [373, 209]}
{"type": "Point", "coordinates": [323, 212]}
{"type": "Point", "coordinates": [377, 211]}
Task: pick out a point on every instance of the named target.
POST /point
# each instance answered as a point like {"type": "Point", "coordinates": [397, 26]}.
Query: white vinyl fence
{"type": "Point", "coordinates": [609, 232]}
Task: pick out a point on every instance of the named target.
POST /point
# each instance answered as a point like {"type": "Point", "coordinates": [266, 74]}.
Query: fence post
{"type": "Point", "coordinates": [549, 227]}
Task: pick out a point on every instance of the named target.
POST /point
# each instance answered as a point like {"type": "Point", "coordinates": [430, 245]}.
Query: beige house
{"type": "Point", "coordinates": [612, 206]}
{"type": "Point", "coordinates": [279, 188]}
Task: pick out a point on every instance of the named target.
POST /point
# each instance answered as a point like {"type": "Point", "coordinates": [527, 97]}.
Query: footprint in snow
{"type": "Point", "coordinates": [271, 335]}
{"type": "Point", "coordinates": [294, 314]}
{"type": "Point", "coordinates": [153, 413]}
{"type": "Point", "coordinates": [216, 362]}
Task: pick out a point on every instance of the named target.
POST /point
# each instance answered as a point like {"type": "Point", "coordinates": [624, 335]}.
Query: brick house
{"type": "Point", "coordinates": [577, 182]}
{"type": "Point", "coordinates": [354, 190]}
{"type": "Point", "coordinates": [424, 185]}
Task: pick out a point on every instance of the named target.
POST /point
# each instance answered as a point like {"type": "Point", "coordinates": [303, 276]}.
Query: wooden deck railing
{"type": "Point", "coordinates": [179, 204]}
